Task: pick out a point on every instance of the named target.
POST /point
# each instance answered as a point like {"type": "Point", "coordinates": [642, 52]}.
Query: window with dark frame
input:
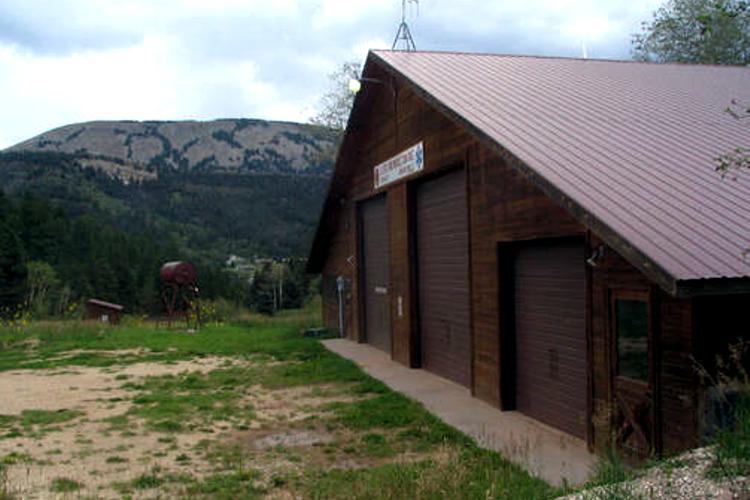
{"type": "Point", "coordinates": [631, 325]}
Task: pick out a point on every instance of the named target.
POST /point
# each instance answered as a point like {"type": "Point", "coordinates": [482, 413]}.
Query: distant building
{"type": "Point", "coordinates": [106, 312]}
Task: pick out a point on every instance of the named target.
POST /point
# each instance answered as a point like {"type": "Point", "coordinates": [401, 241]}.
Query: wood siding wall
{"type": "Point", "coordinates": [504, 207]}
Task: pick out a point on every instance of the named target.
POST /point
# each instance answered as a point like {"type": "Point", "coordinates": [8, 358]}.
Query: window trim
{"type": "Point", "coordinates": [641, 295]}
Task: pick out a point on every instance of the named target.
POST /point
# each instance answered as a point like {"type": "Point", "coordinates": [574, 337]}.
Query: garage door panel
{"type": "Point", "coordinates": [443, 276]}
{"type": "Point", "coordinates": [550, 333]}
{"type": "Point", "coordinates": [375, 278]}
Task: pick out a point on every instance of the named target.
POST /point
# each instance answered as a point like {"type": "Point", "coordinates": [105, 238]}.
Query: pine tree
{"type": "Point", "coordinates": [12, 270]}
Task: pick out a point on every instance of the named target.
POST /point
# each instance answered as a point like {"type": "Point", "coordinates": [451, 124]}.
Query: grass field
{"type": "Point", "coordinates": [249, 409]}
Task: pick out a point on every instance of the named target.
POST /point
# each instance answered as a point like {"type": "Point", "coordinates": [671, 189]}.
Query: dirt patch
{"type": "Point", "coordinates": [285, 435]}
{"type": "Point", "coordinates": [81, 387]}
{"type": "Point", "coordinates": [292, 439]}
{"type": "Point", "coordinates": [86, 449]}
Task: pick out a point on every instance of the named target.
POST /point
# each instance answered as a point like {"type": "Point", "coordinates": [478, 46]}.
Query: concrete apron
{"type": "Point", "coordinates": [543, 451]}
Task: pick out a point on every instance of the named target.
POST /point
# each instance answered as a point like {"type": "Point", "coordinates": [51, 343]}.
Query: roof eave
{"type": "Point", "coordinates": [712, 286]}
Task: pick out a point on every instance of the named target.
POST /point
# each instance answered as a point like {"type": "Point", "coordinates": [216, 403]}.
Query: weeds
{"type": "Point", "coordinates": [16, 457]}
{"type": "Point", "coordinates": [147, 481]}
{"type": "Point", "coordinates": [4, 487]}
{"type": "Point", "coordinates": [467, 475]}
{"type": "Point", "coordinates": [238, 484]}
{"type": "Point", "coordinates": [733, 445]}
{"type": "Point", "coordinates": [731, 440]}
{"type": "Point", "coordinates": [611, 480]}
{"type": "Point", "coordinates": [64, 485]}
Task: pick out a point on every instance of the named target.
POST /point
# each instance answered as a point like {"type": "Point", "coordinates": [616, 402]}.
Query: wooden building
{"type": "Point", "coordinates": [106, 312]}
{"type": "Point", "coordinates": [550, 233]}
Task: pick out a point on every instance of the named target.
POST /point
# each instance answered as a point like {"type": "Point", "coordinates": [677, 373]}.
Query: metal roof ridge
{"type": "Point", "coordinates": [558, 58]}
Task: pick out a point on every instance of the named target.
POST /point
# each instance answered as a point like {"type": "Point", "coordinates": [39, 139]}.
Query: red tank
{"type": "Point", "coordinates": [178, 272]}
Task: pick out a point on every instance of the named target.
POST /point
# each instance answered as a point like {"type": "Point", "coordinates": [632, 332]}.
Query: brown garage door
{"type": "Point", "coordinates": [443, 270]}
{"type": "Point", "coordinates": [551, 333]}
{"type": "Point", "coordinates": [374, 279]}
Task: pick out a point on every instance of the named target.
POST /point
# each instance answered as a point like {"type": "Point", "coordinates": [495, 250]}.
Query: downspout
{"type": "Point", "coordinates": [340, 288]}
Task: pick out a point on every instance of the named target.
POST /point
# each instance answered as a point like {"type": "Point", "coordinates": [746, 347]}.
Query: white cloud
{"type": "Point", "coordinates": [151, 80]}
{"type": "Point", "coordinates": [337, 12]}
{"type": "Point", "coordinates": [359, 50]}
{"type": "Point", "coordinates": [76, 60]}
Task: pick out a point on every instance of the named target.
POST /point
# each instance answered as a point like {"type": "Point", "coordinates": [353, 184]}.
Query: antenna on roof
{"type": "Point", "coordinates": [404, 35]}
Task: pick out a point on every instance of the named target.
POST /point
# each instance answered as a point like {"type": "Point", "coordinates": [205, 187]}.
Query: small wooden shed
{"type": "Point", "coordinates": [106, 312]}
{"type": "Point", "coordinates": [549, 233]}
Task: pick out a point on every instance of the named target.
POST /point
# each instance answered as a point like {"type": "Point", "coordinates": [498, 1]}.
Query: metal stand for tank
{"type": "Point", "coordinates": [179, 288]}
{"type": "Point", "coordinates": [171, 293]}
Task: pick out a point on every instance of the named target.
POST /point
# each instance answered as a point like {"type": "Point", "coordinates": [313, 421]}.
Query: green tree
{"type": "Point", "coordinates": [336, 104]}
{"type": "Point", "coordinates": [296, 284]}
{"type": "Point", "coordinates": [263, 289]}
{"type": "Point", "coordinates": [12, 270]}
{"type": "Point", "coordinates": [41, 288]}
{"type": "Point", "coordinates": [696, 31]}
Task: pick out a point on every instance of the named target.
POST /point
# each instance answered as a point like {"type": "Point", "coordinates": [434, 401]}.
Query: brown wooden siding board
{"type": "Point", "coordinates": [400, 274]}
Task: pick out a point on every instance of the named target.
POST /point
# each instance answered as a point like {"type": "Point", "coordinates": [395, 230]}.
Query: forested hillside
{"type": "Point", "coordinates": [95, 209]}
{"type": "Point", "coordinates": [58, 259]}
{"type": "Point", "coordinates": [209, 215]}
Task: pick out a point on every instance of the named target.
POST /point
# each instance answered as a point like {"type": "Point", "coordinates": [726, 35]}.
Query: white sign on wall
{"type": "Point", "coordinates": [401, 165]}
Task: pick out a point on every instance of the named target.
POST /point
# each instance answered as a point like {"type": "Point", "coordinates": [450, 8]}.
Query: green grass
{"type": "Point", "coordinates": [147, 481]}
{"type": "Point", "coordinates": [34, 423]}
{"type": "Point", "coordinates": [237, 484]}
{"type": "Point", "coordinates": [733, 446]}
{"type": "Point", "coordinates": [377, 445]}
{"type": "Point", "coordinates": [64, 485]}
{"type": "Point", "coordinates": [44, 418]}
{"type": "Point", "coordinates": [371, 430]}
{"type": "Point", "coordinates": [16, 457]}
{"type": "Point", "coordinates": [277, 337]}
{"type": "Point", "coordinates": [472, 474]}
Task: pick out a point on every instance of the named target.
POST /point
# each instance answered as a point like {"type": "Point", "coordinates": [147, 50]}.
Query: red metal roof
{"type": "Point", "coordinates": [631, 144]}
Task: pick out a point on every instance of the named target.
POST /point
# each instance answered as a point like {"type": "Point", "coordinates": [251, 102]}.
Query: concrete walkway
{"type": "Point", "coordinates": [542, 450]}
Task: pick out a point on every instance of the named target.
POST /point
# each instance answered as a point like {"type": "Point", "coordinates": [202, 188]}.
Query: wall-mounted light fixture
{"type": "Point", "coordinates": [355, 84]}
{"type": "Point", "coordinates": [597, 255]}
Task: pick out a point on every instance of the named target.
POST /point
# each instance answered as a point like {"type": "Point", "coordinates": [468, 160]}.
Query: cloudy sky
{"type": "Point", "coordinates": [65, 61]}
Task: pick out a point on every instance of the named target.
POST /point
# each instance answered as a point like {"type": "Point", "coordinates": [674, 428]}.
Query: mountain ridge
{"type": "Point", "coordinates": [225, 187]}
{"type": "Point", "coordinates": [238, 145]}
